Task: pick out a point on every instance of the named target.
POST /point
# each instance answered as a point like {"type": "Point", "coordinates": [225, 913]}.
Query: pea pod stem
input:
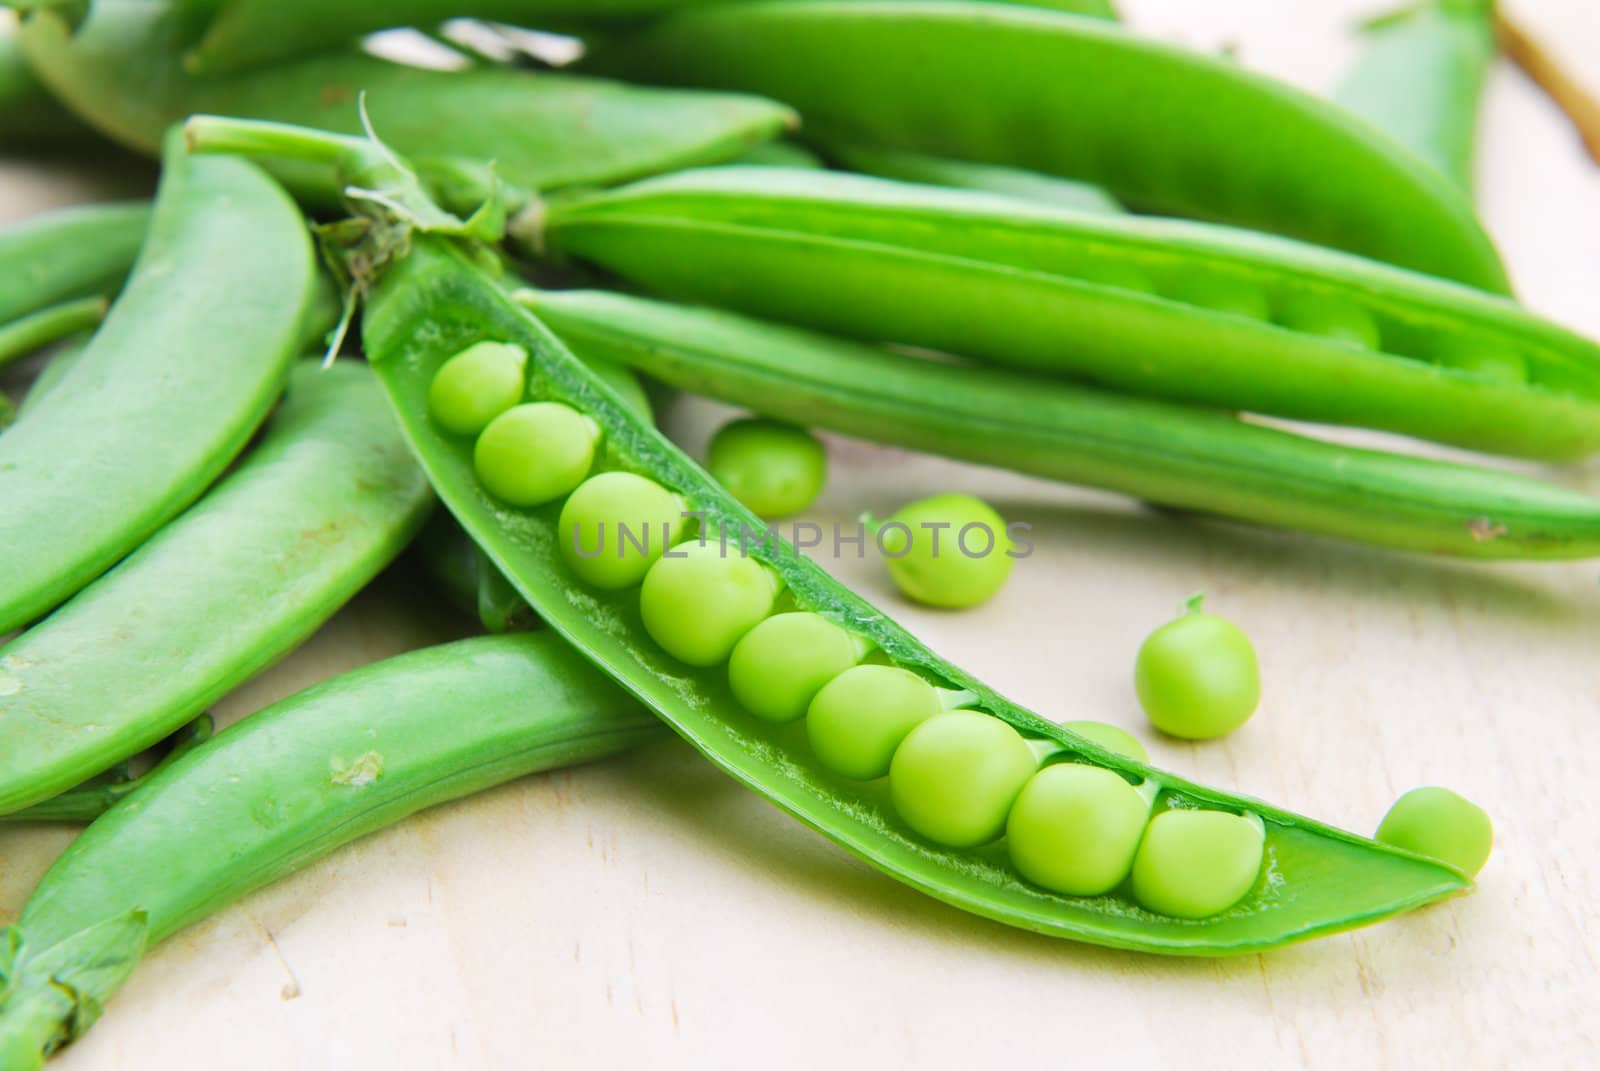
{"type": "Point", "coordinates": [326, 500]}
{"type": "Point", "coordinates": [39, 329]}
{"type": "Point", "coordinates": [1194, 459]}
{"type": "Point", "coordinates": [329, 765]}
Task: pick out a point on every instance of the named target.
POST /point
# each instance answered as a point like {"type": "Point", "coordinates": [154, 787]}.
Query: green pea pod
{"type": "Point", "coordinates": [29, 116]}
{"type": "Point", "coordinates": [326, 766]}
{"type": "Point", "coordinates": [1169, 454]}
{"type": "Point", "coordinates": [39, 329]}
{"type": "Point", "coordinates": [88, 801]}
{"type": "Point", "coordinates": [327, 499]}
{"type": "Point", "coordinates": [120, 70]}
{"type": "Point", "coordinates": [66, 254]}
{"type": "Point", "coordinates": [1420, 78]}
{"type": "Point", "coordinates": [165, 394]}
{"type": "Point", "coordinates": [250, 32]}
{"type": "Point", "coordinates": [432, 299]}
{"type": "Point", "coordinates": [1188, 311]}
{"type": "Point", "coordinates": [985, 178]}
{"type": "Point", "coordinates": [1050, 92]}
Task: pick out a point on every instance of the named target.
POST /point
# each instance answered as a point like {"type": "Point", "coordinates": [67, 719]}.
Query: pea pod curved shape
{"type": "Point", "coordinates": [69, 253]}
{"type": "Point", "coordinates": [328, 765]}
{"type": "Point", "coordinates": [1103, 298]}
{"type": "Point", "coordinates": [1420, 77]}
{"type": "Point", "coordinates": [327, 499]}
{"type": "Point", "coordinates": [434, 302]}
{"type": "Point", "coordinates": [166, 393]}
{"type": "Point", "coordinates": [1050, 92]}
{"type": "Point", "coordinates": [1174, 455]}
{"type": "Point", "coordinates": [121, 70]}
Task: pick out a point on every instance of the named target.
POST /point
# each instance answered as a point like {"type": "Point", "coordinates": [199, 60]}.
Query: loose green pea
{"type": "Point", "coordinates": [1074, 829]}
{"type": "Point", "coordinates": [951, 551]}
{"type": "Point", "coordinates": [1438, 823]}
{"type": "Point", "coordinates": [954, 777]}
{"type": "Point", "coordinates": [1110, 737]}
{"type": "Point", "coordinates": [535, 453]}
{"type": "Point", "coordinates": [1197, 676]}
{"type": "Point", "coordinates": [698, 601]}
{"type": "Point", "coordinates": [781, 664]}
{"type": "Point", "coordinates": [859, 718]}
{"type": "Point", "coordinates": [1220, 293]}
{"type": "Point", "coordinates": [1333, 318]}
{"type": "Point", "coordinates": [775, 469]}
{"type": "Point", "coordinates": [614, 527]}
{"type": "Point", "coordinates": [1195, 864]}
{"type": "Point", "coordinates": [477, 385]}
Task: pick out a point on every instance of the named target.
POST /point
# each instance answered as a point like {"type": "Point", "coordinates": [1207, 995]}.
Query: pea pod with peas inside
{"type": "Point", "coordinates": [665, 622]}
{"type": "Point", "coordinates": [1186, 311]}
{"type": "Point", "coordinates": [165, 394]}
{"type": "Point", "coordinates": [68, 254]}
{"type": "Point", "coordinates": [328, 765]}
{"type": "Point", "coordinates": [1157, 451]}
{"type": "Point", "coordinates": [1050, 92]}
{"type": "Point", "coordinates": [327, 499]}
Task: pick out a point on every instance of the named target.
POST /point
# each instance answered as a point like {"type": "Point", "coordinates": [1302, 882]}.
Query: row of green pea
{"type": "Point", "coordinates": [957, 776]}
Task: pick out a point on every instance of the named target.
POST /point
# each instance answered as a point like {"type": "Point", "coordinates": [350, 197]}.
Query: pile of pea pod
{"type": "Point", "coordinates": [374, 306]}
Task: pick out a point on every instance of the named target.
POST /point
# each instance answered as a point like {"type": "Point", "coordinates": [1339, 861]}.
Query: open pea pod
{"type": "Point", "coordinates": [430, 300]}
{"type": "Point", "coordinates": [1189, 311]}
{"type": "Point", "coordinates": [1051, 92]}
{"type": "Point", "coordinates": [1175, 455]}
{"type": "Point", "coordinates": [121, 70]}
{"type": "Point", "coordinates": [435, 302]}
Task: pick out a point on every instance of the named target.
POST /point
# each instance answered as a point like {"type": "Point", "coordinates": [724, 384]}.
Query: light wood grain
{"type": "Point", "coordinates": [648, 912]}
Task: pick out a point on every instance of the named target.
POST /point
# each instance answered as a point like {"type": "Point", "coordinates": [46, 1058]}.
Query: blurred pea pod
{"type": "Point", "coordinates": [1421, 76]}
{"type": "Point", "coordinates": [120, 70]}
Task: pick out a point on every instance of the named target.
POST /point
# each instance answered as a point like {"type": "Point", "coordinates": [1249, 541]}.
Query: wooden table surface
{"type": "Point", "coordinates": [646, 911]}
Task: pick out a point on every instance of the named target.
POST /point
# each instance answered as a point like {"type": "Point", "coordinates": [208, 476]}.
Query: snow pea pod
{"type": "Point", "coordinates": [88, 801]}
{"type": "Point", "coordinates": [985, 178]}
{"type": "Point", "coordinates": [70, 253]}
{"type": "Point", "coordinates": [165, 395]}
{"type": "Point", "coordinates": [1170, 454]}
{"type": "Point", "coordinates": [120, 70]}
{"type": "Point", "coordinates": [328, 765]}
{"type": "Point", "coordinates": [39, 329]}
{"type": "Point", "coordinates": [1420, 77]}
{"type": "Point", "coordinates": [1049, 92]}
{"type": "Point", "coordinates": [328, 498]}
{"type": "Point", "coordinates": [249, 32]}
{"type": "Point", "coordinates": [1183, 310]}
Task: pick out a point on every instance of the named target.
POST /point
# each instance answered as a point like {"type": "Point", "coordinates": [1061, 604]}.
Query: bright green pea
{"type": "Point", "coordinates": [954, 777]}
{"type": "Point", "coordinates": [781, 664]}
{"type": "Point", "coordinates": [1074, 829]}
{"type": "Point", "coordinates": [1220, 293]}
{"type": "Point", "coordinates": [1197, 676]}
{"type": "Point", "coordinates": [1438, 823]}
{"type": "Point", "coordinates": [1331, 317]}
{"type": "Point", "coordinates": [1195, 864]}
{"type": "Point", "coordinates": [614, 527]}
{"type": "Point", "coordinates": [951, 551]}
{"type": "Point", "coordinates": [535, 453]}
{"type": "Point", "coordinates": [1110, 737]}
{"type": "Point", "coordinates": [859, 718]}
{"type": "Point", "coordinates": [699, 600]}
{"type": "Point", "coordinates": [477, 385]}
{"type": "Point", "coordinates": [775, 469]}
